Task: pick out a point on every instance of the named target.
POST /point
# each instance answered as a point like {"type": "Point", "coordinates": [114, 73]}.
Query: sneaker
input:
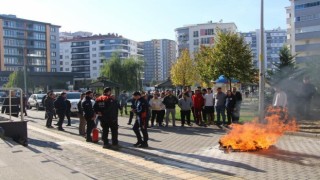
{"type": "Point", "coordinates": [60, 129]}
{"type": "Point", "coordinates": [50, 127]}
{"type": "Point", "coordinates": [137, 144]}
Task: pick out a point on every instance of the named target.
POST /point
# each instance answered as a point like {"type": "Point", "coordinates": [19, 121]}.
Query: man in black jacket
{"type": "Point", "coordinates": [49, 108]}
{"type": "Point", "coordinates": [82, 120]}
{"type": "Point", "coordinates": [141, 121]}
{"type": "Point", "coordinates": [61, 107]}
{"type": "Point", "coordinates": [238, 100]}
{"type": "Point", "coordinates": [15, 105]}
{"type": "Point", "coordinates": [107, 107]}
{"type": "Point", "coordinates": [68, 112]}
{"type": "Point", "coordinates": [89, 114]}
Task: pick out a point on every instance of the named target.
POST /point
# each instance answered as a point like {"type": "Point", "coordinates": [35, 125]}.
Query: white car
{"type": "Point", "coordinates": [35, 100]}
{"type": "Point", "coordinates": [74, 98]}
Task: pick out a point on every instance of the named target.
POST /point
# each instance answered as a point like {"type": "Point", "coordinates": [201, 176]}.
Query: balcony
{"type": "Point", "coordinates": [307, 35]}
{"type": "Point", "coordinates": [308, 47]}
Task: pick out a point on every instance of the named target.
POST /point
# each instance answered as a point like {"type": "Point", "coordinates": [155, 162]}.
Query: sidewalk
{"type": "Point", "coordinates": [196, 149]}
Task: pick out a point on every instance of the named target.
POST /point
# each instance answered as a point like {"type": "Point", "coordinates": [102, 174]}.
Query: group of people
{"type": "Point", "coordinates": [201, 103]}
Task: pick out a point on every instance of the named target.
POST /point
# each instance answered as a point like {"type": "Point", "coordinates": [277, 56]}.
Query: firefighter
{"type": "Point", "coordinates": [107, 108]}
{"type": "Point", "coordinates": [141, 120]}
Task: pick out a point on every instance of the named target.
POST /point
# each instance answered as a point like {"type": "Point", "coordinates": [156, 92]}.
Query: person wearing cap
{"type": "Point", "coordinates": [61, 106]}
{"type": "Point", "coordinates": [107, 108]}
{"type": "Point", "coordinates": [141, 121]}
{"type": "Point", "coordinates": [89, 114]}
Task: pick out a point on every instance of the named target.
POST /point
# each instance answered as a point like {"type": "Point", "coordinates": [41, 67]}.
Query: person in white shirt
{"type": "Point", "coordinates": [209, 106]}
{"type": "Point", "coordinates": [156, 107]}
{"type": "Point", "coordinates": [279, 98]}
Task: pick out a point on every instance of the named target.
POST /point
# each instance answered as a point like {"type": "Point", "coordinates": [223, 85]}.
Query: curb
{"type": "Point", "coordinates": [302, 134]}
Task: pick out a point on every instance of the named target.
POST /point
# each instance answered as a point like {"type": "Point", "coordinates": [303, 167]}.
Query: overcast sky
{"type": "Point", "coordinates": [142, 20]}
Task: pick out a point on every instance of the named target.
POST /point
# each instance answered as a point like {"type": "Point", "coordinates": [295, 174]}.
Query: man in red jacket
{"type": "Point", "coordinates": [198, 103]}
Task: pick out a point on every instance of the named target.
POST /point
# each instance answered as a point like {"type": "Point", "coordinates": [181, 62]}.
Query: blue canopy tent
{"type": "Point", "coordinates": [223, 82]}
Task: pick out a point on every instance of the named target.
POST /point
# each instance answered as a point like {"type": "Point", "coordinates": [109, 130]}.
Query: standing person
{"type": "Point", "coordinates": [170, 102]}
{"type": "Point", "coordinates": [279, 98]}
{"type": "Point", "coordinates": [238, 98]}
{"type": "Point", "coordinates": [42, 101]}
{"type": "Point", "coordinates": [209, 106]}
{"type": "Point", "coordinates": [49, 108]}
{"type": "Point", "coordinates": [82, 123]}
{"type": "Point", "coordinates": [107, 107]}
{"type": "Point", "coordinates": [68, 112]}
{"type": "Point", "coordinates": [133, 107]}
{"type": "Point", "coordinates": [15, 105]}
{"type": "Point", "coordinates": [220, 99]}
{"type": "Point", "coordinates": [89, 114]}
{"type": "Point", "coordinates": [25, 103]}
{"type": "Point", "coordinates": [162, 112]}
{"type": "Point", "coordinates": [198, 103]}
{"type": "Point", "coordinates": [141, 121]}
{"type": "Point", "coordinates": [204, 114]}
{"type": "Point", "coordinates": [308, 90]}
{"type": "Point", "coordinates": [123, 98]}
{"type": "Point", "coordinates": [61, 108]}
{"type": "Point", "coordinates": [185, 104]}
{"type": "Point", "coordinates": [156, 107]}
{"type": "Point", "coordinates": [230, 106]}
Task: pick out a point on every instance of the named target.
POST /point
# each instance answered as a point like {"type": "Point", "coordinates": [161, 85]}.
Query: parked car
{"type": "Point", "coordinates": [74, 98]}
{"type": "Point", "coordinates": [35, 100]}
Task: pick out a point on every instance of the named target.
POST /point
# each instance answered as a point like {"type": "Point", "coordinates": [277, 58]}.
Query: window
{"type": "Point", "coordinates": [94, 55]}
{"type": "Point", "coordinates": [94, 49]}
{"type": "Point", "coordinates": [54, 62]}
{"type": "Point", "coordinates": [94, 68]}
{"type": "Point", "coordinates": [196, 42]}
{"type": "Point", "coordinates": [52, 37]}
{"type": "Point", "coordinates": [53, 29]}
{"type": "Point", "coordinates": [195, 33]}
{"type": "Point", "coordinates": [53, 54]}
{"type": "Point", "coordinates": [205, 40]}
{"type": "Point", "coordinates": [67, 63]}
{"type": "Point", "coordinates": [67, 69]}
{"type": "Point", "coordinates": [94, 62]}
{"type": "Point", "coordinates": [53, 46]}
{"type": "Point", "coordinates": [61, 69]}
{"type": "Point", "coordinates": [61, 63]}
{"type": "Point", "coordinates": [61, 56]}
{"type": "Point", "coordinates": [53, 70]}
{"type": "Point", "coordinates": [93, 42]}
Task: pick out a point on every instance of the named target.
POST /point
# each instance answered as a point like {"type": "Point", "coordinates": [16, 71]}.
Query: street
{"type": "Point", "coordinates": [174, 153]}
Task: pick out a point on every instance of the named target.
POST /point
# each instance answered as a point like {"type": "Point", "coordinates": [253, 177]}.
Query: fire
{"type": "Point", "coordinates": [256, 136]}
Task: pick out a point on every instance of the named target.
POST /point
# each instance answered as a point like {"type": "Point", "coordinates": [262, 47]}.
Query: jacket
{"type": "Point", "coordinates": [198, 101]}
{"type": "Point", "coordinates": [230, 101]}
{"type": "Point", "coordinates": [60, 105]}
{"type": "Point", "coordinates": [185, 104]}
{"type": "Point", "coordinates": [48, 104]}
{"type": "Point", "coordinates": [108, 107]}
{"type": "Point", "coordinates": [170, 101]}
{"type": "Point", "coordinates": [87, 107]}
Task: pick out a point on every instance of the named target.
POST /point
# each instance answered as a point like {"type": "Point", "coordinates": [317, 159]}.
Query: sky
{"type": "Point", "coordinates": [143, 20]}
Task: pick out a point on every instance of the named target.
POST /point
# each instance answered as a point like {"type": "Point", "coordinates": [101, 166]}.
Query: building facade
{"type": "Point", "coordinates": [159, 56]}
{"type": "Point", "coordinates": [86, 55]}
{"type": "Point", "coordinates": [303, 29]}
{"type": "Point", "coordinates": [273, 42]}
{"type": "Point", "coordinates": [28, 44]}
{"type": "Point", "coordinates": [191, 37]}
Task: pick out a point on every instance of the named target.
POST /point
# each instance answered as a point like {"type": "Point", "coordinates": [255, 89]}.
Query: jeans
{"type": "Point", "coordinates": [221, 112]}
{"type": "Point", "coordinates": [173, 115]}
{"type": "Point", "coordinates": [185, 114]}
{"type": "Point", "coordinates": [49, 119]}
{"type": "Point", "coordinates": [140, 124]}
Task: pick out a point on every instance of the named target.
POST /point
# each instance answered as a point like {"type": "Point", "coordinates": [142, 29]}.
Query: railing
{"type": "Point", "coordinates": [10, 102]}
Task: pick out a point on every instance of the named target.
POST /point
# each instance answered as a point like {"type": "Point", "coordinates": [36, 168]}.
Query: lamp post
{"type": "Point", "coordinates": [25, 70]}
{"type": "Point", "coordinates": [261, 68]}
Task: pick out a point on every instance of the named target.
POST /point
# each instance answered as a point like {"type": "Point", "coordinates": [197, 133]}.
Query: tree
{"type": "Point", "coordinates": [126, 72]}
{"type": "Point", "coordinates": [204, 64]}
{"type": "Point", "coordinates": [284, 69]}
{"type": "Point", "coordinates": [16, 80]}
{"type": "Point", "coordinates": [232, 58]}
{"type": "Point", "coordinates": [183, 72]}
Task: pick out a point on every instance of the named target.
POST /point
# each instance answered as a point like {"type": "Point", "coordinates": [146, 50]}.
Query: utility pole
{"type": "Point", "coordinates": [261, 68]}
{"type": "Point", "coordinates": [25, 71]}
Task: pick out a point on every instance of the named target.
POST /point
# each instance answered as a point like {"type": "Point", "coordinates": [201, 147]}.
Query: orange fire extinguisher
{"type": "Point", "coordinates": [95, 135]}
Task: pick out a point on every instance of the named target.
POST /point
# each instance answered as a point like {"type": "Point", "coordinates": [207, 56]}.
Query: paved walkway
{"type": "Point", "coordinates": [192, 151]}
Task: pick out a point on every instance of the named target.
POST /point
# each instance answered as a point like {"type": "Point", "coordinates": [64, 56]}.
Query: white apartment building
{"type": "Point", "coordinates": [86, 55]}
{"type": "Point", "coordinates": [191, 37]}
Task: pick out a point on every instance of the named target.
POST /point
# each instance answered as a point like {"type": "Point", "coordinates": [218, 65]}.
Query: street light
{"type": "Point", "coordinates": [261, 68]}
{"type": "Point", "coordinates": [25, 70]}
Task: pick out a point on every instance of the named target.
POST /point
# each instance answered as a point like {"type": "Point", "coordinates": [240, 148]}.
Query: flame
{"type": "Point", "coordinates": [255, 136]}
